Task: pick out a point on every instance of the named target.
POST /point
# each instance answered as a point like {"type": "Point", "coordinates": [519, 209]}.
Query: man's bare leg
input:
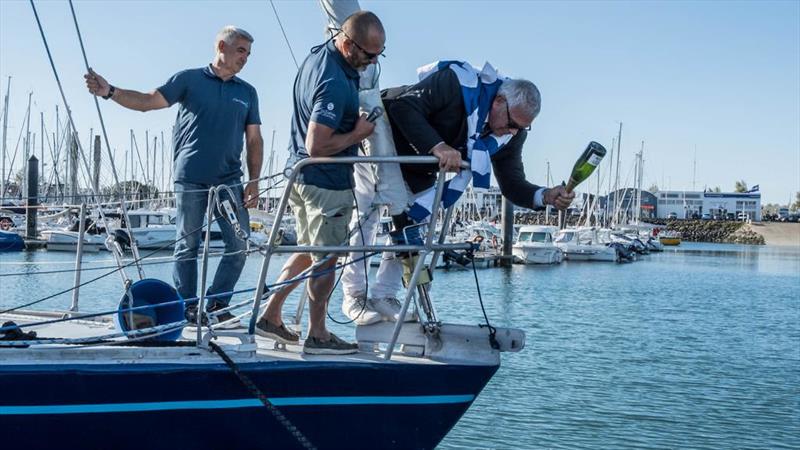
{"type": "Point", "coordinates": [296, 264]}
{"type": "Point", "coordinates": [319, 290]}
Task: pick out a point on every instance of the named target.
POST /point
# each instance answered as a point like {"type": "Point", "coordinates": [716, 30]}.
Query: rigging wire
{"type": "Point", "coordinates": [134, 248]}
{"type": "Point", "coordinates": [71, 121]}
{"type": "Point", "coordinates": [285, 38]}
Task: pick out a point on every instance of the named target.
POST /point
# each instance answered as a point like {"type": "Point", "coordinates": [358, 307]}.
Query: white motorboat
{"type": "Point", "coordinates": [535, 245]}
{"type": "Point", "coordinates": [155, 230]}
{"type": "Point", "coordinates": [582, 245]}
{"type": "Point", "coordinates": [67, 241]}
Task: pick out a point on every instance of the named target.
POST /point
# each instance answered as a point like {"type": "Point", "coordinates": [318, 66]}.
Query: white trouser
{"type": "Point", "coordinates": [354, 276]}
{"type": "Point", "coordinates": [375, 185]}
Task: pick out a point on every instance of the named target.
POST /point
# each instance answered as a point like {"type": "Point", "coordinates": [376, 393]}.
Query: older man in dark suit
{"type": "Point", "coordinates": [456, 112]}
{"type": "Point", "coordinates": [430, 117]}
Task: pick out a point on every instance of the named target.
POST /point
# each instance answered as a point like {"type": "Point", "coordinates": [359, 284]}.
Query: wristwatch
{"type": "Point", "coordinates": [110, 94]}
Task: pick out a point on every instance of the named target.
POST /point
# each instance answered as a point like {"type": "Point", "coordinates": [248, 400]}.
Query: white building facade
{"type": "Point", "coordinates": [689, 204]}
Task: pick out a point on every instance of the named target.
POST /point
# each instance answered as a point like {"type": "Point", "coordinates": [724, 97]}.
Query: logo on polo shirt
{"type": "Point", "coordinates": [237, 100]}
{"type": "Point", "coordinates": [330, 106]}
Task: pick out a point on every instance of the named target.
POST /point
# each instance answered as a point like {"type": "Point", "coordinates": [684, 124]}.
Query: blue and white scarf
{"type": "Point", "coordinates": [479, 89]}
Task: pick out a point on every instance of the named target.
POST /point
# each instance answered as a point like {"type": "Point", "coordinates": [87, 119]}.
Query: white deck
{"type": "Point", "coordinates": [461, 344]}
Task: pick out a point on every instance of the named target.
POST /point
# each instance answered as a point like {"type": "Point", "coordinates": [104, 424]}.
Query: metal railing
{"type": "Point", "coordinates": [273, 246]}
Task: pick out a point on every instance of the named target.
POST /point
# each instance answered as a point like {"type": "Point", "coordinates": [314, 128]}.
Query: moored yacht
{"type": "Point", "coordinates": [535, 245]}
{"type": "Point", "coordinates": [583, 245]}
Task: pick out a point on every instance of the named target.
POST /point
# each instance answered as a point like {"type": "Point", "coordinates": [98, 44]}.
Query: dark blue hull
{"type": "Point", "coordinates": [11, 242]}
{"type": "Point", "coordinates": [182, 406]}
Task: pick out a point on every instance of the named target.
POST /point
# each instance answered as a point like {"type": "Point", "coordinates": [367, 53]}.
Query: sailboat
{"type": "Point", "coordinates": [68, 380]}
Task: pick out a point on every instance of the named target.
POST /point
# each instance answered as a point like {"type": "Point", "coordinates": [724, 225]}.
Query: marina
{"type": "Point", "coordinates": [439, 258]}
{"type": "Point", "coordinates": [712, 363]}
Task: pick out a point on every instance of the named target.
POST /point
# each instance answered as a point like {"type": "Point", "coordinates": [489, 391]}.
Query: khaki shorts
{"type": "Point", "coordinates": [322, 216]}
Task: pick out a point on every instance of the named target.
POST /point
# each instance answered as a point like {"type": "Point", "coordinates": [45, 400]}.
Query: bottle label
{"type": "Point", "coordinates": [595, 159]}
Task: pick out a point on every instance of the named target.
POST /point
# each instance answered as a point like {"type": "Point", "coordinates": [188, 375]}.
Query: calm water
{"type": "Point", "coordinates": [696, 348]}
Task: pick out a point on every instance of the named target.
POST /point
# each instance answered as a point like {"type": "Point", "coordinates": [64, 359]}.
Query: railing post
{"type": "Point", "coordinates": [201, 307]}
{"type": "Point", "coordinates": [79, 259]}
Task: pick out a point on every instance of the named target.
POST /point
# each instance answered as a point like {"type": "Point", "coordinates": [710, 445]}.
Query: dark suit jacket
{"type": "Point", "coordinates": [432, 111]}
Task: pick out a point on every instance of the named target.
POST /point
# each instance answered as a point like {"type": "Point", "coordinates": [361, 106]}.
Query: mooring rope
{"type": "Point", "coordinates": [256, 392]}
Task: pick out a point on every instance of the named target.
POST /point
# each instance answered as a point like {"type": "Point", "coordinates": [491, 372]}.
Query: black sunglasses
{"type": "Point", "coordinates": [512, 124]}
{"type": "Point", "coordinates": [366, 53]}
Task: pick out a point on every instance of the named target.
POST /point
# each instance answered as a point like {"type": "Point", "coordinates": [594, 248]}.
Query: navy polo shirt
{"type": "Point", "coordinates": [326, 92]}
{"type": "Point", "coordinates": [209, 131]}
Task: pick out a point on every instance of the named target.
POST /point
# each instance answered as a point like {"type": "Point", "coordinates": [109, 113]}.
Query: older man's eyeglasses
{"type": "Point", "coordinates": [512, 124]}
{"type": "Point", "coordinates": [369, 55]}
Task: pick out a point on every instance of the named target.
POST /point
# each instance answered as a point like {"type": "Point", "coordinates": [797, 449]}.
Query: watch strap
{"type": "Point", "coordinates": [111, 90]}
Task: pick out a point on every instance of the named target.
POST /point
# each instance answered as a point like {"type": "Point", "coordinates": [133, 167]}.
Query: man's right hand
{"type": "Point", "coordinates": [449, 158]}
{"type": "Point", "coordinates": [97, 85]}
{"type": "Point", "coordinates": [363, 128]}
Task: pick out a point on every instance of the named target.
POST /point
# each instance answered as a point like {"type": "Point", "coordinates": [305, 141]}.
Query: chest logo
{"type": "Point", "coordinates": [244, 103]}
{"type": "Point", "coordinates": [329, 106]}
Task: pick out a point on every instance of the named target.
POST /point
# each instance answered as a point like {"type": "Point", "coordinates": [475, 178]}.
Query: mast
{"type": "Point", "coordinates": [269, 170]}
{"type": "Point", "coordinates": [607, 217]}
{"type": "Point", "coordinates": [155, 146]}
{"type": "Point", "coordinates": [616, 178]}
{"type": "Point", "coordinates": [548, 183]}
{"type": "Point", "coordinates": [27, 145]}
{"type": "Point", "coordinates": [163, 186]}
{"type": "Point", "coordinates": [42, 138]}
{"type": "Point", "coordinates": [5, 132]}
{"type": "Point", "coordinates": [640, 175]}
{"type": "Point", "coordinates": [133, 165]}
{"type": "Point", "coordinates": [146, 156]}
{"type": "Point", "coordinates": [57, 152]}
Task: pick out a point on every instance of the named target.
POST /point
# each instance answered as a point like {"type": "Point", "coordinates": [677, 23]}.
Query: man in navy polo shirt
{"type": "Point", "coordinates": [325, 122]}
{"type": "Point", "coordinates": [217, 108]}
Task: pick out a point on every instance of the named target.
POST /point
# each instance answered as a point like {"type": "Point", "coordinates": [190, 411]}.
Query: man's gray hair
{"type": "Point", "coordinates": [522, 93]}
{"type": "Point", "coordinates": [230, 33]}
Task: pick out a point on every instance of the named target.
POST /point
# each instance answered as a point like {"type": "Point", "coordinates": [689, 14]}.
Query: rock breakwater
{"type": "Point", "coordinates": [712, 231]}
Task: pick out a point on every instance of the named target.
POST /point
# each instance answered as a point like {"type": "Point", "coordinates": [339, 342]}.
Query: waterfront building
{"type": "Point", "coordinates": [722, 205]}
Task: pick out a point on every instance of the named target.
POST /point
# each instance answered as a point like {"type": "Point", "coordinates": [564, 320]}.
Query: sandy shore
{"type": "Point", "coordinates": [779, 233]}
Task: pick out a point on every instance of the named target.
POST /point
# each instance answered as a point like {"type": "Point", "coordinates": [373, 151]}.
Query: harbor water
{"type": "Point", "coordinates": [697, 347]}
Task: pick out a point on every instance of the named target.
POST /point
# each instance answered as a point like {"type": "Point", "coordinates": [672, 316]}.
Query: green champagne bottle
{"type": "Point", "coordinates": [586, 164]}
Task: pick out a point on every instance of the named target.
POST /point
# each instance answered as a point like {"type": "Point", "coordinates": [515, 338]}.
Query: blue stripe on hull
{"type": "Point", "coordinates": [238, 403]}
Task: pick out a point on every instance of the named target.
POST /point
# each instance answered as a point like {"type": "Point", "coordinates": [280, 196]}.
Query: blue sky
{"type": "Point", "coordinates": [719, 77]}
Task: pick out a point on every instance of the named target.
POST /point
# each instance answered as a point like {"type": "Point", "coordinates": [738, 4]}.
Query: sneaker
{"type": "Point", "coordinates": [190, 313]}
{"type": "Point", "coordinates": [333, 346]}
{"type": "Point", "coordinates": [225, 319]}
{"type": "Point", "coordinates": [390, 308]}
{"type": "Point", "coordinates": [276, 333]}
{"type": "Point", "coordinates": [359, 311]}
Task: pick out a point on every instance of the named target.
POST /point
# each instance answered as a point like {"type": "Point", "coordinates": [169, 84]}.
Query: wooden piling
{"type": "Point", "coordinates": [32, 197]}
{"type": "Point", "coordinates": [508, 232]}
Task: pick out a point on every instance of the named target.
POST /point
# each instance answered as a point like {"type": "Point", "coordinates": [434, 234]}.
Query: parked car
{"type": "Point", "coordinates": [672, 215]}
{"type": "Point", "coordinates": [706, 216]}
{"type": "Point", "coordinates": [742, 216]}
